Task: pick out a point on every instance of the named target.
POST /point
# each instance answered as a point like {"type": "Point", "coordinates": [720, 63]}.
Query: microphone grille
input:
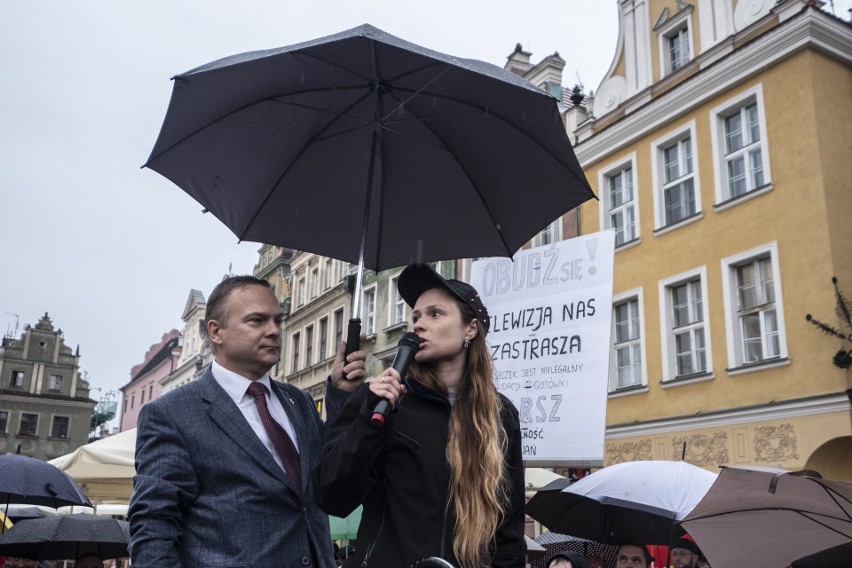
{"type": "Point", "coordinates": [410, 338]}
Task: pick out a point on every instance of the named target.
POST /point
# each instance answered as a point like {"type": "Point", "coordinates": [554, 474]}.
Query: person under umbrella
{"type": "Point", "coordinates": [633, 554]}
{"type": "Point", "coordinates": [567, 559]}
{"type": "Point", "coordinates": [685, 553]}
{"type": "Point", "coordinates": [88, 561]}
{"type": "Point", "coordinates": [444, 477]}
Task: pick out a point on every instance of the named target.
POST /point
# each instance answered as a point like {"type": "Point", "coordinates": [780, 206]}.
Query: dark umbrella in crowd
{"type": "Point", "coordinates": [27, 480]}
{"type": "Point", "coordinates": [364, 147]}
{"type": "Point", "coordinates": [772, 517]}
{"type": "Point", "coordinates": [66, 537]}
{"type": "Point", "coordinates": [557, 542]}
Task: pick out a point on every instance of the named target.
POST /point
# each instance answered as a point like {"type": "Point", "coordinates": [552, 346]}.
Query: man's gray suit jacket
{"type": "Point", "coordinates": [207, 492]}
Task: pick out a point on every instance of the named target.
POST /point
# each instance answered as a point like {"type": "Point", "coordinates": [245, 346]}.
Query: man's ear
{"type": "Point", "coordinates": [213, 329]}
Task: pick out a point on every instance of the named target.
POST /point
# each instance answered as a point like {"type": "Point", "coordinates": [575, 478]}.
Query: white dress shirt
{"type": "Point", "coordinates": [236, 386]}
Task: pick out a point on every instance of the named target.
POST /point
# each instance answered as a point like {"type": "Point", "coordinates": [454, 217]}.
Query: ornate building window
{"type": "Point", "coordinates": [740, 155]}
{"type": "Point", "coordinates": [619, 209]}
{"type": "Point", "coordinates": [627, 356]}
{"type": "Point", "coordinates": [685, 324]}
{"type": "Point", "coordinates": [754, 310]}
{"type": "Point", "coordinates": [676, 192]}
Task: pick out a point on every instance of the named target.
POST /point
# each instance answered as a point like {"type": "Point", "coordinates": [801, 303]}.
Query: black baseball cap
{"type": "Point", "coordinates": [417, 278]}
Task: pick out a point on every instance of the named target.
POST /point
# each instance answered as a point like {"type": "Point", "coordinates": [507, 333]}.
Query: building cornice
{"type": "Point", "coordinates": [48, 400]}
{"type": "Point", "coordinates": [823, 404]}
{"type": "Point", "coordinates": [811, 29]}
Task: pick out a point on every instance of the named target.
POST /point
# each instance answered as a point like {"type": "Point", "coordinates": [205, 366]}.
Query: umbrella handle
{"type": "Point", "coordinates": [353, 337]}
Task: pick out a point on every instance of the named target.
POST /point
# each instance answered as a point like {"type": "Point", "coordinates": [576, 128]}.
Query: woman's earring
{"type": "Point", "coordinates": [466, 342]}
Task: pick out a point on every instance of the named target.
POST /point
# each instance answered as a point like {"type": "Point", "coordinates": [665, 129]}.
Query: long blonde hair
{"type": "Point", "coordinates": [475, 453]}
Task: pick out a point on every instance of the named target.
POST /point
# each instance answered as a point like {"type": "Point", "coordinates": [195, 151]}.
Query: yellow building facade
{"type": "Point", "coordinates": [719, 146]}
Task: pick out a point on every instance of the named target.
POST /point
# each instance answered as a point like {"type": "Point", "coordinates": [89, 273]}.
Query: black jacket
{"type": "Point", "coordinates": [400, 474]}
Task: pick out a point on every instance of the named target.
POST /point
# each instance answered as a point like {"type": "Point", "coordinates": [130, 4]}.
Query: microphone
{"type": "Point", "coordinates": [405, 351]}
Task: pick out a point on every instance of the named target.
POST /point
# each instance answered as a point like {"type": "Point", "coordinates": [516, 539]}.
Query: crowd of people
{"type": "Point", "coordinates": [684, 553]}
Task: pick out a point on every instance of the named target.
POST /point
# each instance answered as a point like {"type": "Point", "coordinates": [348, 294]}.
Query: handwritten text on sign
{"type": "Point", "coordinates": [551, 310]}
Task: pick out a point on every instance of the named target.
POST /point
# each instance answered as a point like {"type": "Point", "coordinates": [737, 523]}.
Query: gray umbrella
{"type": "Point", "coordinates": [367, 148]}
{"type": "Point", "coordinates": [772, 517]}
{"type": "Point", "coordinates": [66, 537]}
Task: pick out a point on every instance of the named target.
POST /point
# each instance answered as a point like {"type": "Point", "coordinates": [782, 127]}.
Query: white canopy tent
{"type": "Point", "coordinates": [104, 469]}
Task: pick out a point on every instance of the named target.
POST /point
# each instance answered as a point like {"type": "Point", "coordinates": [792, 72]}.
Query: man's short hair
{"type": "Point", "coordinates": [648, 557]}
{"type": "Point", "coordinates": [216, 302]}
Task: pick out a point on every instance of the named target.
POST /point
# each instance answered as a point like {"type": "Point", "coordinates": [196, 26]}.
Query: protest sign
{"type": "Point", "coordinates": [551, 313]}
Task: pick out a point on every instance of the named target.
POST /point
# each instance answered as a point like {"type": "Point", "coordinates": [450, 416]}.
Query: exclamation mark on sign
{"type": "Point", "coordinates": [592, 247]}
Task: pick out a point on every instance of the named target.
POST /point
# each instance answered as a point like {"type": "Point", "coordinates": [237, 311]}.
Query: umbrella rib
{"type": "Point", "coordinates": [834, 497]}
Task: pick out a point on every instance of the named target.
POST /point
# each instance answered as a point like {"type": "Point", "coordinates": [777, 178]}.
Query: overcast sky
{"type": "Point", "coordinates": [110, 250]}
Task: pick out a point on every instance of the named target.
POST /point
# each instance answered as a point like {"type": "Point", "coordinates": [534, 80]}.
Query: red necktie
{"type": "Point", "coordinates": [279, 437]}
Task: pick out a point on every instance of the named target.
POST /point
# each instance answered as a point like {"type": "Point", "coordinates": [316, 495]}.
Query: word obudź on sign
{"type": "Point", "coordinates": [551, 316]}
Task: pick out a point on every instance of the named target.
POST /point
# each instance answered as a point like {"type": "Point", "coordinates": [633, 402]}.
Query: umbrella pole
{"type": "Point", "coordinates": [353, 335]}
{"type": "Point", "coordinates": [5, 514]}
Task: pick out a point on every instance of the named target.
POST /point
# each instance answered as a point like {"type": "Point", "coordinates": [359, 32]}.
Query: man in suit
{"type": "Point", "coordinates": [223, 476]}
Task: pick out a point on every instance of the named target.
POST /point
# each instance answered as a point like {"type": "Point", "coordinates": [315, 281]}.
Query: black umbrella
{"type": "Point", "coordinates": [367, 148]}
{"type": "Point", "coordinates": [66, 537]}
{"type": "Point", "coordinates": [27, 480]}
{"type": "Point", "coordinates": [835, 557]}
{"type": "Point", "coordinates": [640, 500]}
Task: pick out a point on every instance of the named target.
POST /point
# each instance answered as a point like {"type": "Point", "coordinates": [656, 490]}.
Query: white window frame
{"type": "Point", "coordinates": [673, 27]}
{"type": "Point", "coordinates": [315, 282]}
{"type": "Point", "coordinates": [368, 310]}
{"type": "Point", "coordinates": [636, 295]}
{"type": "Point", "coordinates": [339, 329]}
{"type": "Point", "coordinates": [329, 273]}
{"type": "Point", "coordinates": [309, 345]}
{"type": "Point", "coordinates": [736, 358]}
{"type": "Point", "coordinates": [5, 423]}
{"type": "Point", "coordinates": [550, 234]}
{"type": "Point", "coordinates": [396, 304]}
{"type": "Point", "coordinates": [658, 165]}
{"type": "Point", "coordinates": [322, 344]}
{"type": "Point", "coordinates": [302, 291]}
{"type": "Point", "coordinates": [605, 176]}
{"type": "Point", "coordinates": [724, 199]}
{"type": "Point", "coordinates": [295, 348]}
{"type": "Point", "coordinates": [667, 325]}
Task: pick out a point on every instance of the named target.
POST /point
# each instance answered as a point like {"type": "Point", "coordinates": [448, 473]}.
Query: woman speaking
{"type": "Point", "coordinates": [443, 476]}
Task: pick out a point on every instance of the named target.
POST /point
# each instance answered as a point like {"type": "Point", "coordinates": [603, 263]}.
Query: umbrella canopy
{"type": "Point", "coordinates": [556, 542]}
{"type": "Point", "coordinates": [27, 480]}
{"type": "Point", "coordinates": [66, 537]}
{"type": "Point", "coordinates": [104, 468]}
{"type": "Point", "coordinates": [770, 517]}
{"type": "Point", "coordinates": [367, 148]}
{"type": "Point", "coordinates": [634, 500]}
